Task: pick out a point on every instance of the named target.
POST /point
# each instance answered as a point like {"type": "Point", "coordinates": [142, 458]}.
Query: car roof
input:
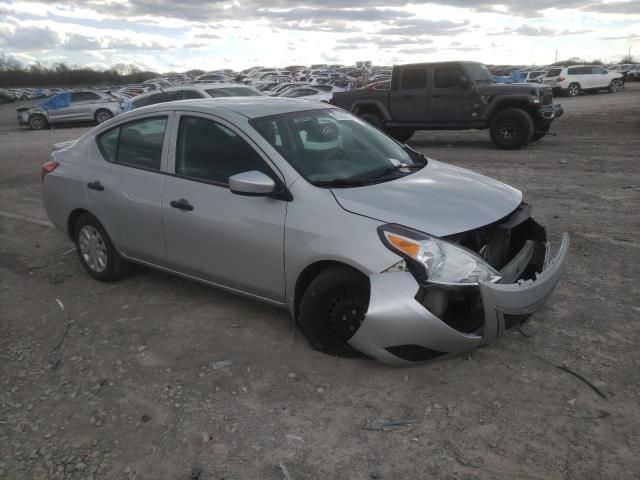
{"type": "Point", "coordinates": [249, 107]}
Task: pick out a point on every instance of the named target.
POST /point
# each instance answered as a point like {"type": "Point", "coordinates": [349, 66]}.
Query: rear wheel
{"type": "Point", "coordinates": [511, 129]}
{"type": "Point", "coordinates": [96, 250]}
{"type": "Point", "coordinates": [373, 119]}
{"type": "Point", "coordinates": [103, 115]}
{"type": "Point", "coordinates": [38, 122]}
{"type": "Point", "coordinates": [540, 132]}
{"type": "Point", "coordinates": [333, 308]}
{"type": "Point", "coordinates": [402, 134]}
{"type": "Point", "coordinates": [615, 86]}
{"type": "Point", "coordinates": [574, 90]}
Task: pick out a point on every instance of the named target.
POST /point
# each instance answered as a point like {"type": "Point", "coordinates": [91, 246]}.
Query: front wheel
{"type": "Point", "coordinates": [615, 86]}
{"type": "Point", "coordinates": [511, 129]}
{"type": "Point", "coordinates": [38, 122]}
{"type": "Point", "coordinates": [96, 251]}
{"type": "Point", "coordinates": [402, 134]}
{"type": "Point", "coordinates": [332, 309]}
{"type": "Point", "coordinates": [373, 119]}
{"type": "Point", "coordinates": [103, 115]}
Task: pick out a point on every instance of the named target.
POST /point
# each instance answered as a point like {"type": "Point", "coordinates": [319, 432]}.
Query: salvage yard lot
{"type": "Point", "coordinates": [157, 377]}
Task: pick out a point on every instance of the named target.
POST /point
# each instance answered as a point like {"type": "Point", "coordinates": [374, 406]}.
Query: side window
{"type": "Point", "coordinates": [209, 151]}
{"type": "Point", "coordinates": [574, 71]}
{"type": "Point", "coordinates": [413, 78]}
{"type": "Point", "coordinates": [135, 144]}
{"type": "Point", "coordinates": [156, 98]}
{"type": "Point", "coordinates": [598, 70]}
{"type": "Point", "coordinates": [449, 78]}
{"type": "Point", "coordinates": [84, 96]}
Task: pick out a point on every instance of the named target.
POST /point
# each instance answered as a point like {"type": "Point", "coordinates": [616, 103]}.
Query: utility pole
{"type": "Point", "coordinates": [556, 56]}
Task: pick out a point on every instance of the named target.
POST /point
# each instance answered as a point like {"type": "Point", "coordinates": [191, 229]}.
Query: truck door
{"type": "Point", "coordinates": [409, 103]}
{"type": "Point", "coordinates": [450, 96]}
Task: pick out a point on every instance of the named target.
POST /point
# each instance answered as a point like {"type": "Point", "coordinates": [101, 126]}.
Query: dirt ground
{"type": "Point", "coordinates": [156, 377]}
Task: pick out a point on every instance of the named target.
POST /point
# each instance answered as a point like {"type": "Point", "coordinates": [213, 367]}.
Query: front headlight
{"type": "Point", "coordinates": [442, 262]}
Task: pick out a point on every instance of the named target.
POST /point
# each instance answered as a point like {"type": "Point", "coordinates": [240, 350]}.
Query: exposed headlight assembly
{"type": "Point", "coordinates": [438, 261]}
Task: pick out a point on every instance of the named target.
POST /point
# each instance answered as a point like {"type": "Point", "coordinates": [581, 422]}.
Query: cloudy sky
{"type": "Point", "coordinates": [164, 35]}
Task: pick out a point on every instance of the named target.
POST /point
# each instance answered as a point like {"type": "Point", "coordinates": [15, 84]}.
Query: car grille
{"type": "Point", "coordinates": [547, 96]}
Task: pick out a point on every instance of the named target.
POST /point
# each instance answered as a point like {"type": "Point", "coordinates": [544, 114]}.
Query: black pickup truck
{"type": "Point", "coordinates": [455, 96]}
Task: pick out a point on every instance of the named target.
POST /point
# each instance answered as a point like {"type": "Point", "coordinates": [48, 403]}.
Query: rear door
{"type": "Point", "coordinates": [450, 95]}
{"type": "Point", "coordinates": [576, 75]}
{"type": "Point", "coordinates": [124, 186]}
{"type": "Point", "coordinates": [228, 239]}
{"type": "Point", "coordinates": [83, 105]}
{"type": "Point", "coordinates": [408, 103]}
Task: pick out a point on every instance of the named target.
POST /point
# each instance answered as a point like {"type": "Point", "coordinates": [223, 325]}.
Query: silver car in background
{"type": "Point", "coordinates": [77, 106]}
{"type": "Point", "coordinates": [371, 246]}
{"type": "Point", "coordinates": [191, 92]}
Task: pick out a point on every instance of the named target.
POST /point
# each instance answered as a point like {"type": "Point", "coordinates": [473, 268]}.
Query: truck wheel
{"type": "Point", "coordinates": [401, 134]}
{"type": "Point", "coordinates": [333, 308]}
{"type": "Point", "coordinates": [511, 129]}
{"type": "Point", "coordinates": [540, 132]}
{"type": "Point", "coordinates": [374, 120]}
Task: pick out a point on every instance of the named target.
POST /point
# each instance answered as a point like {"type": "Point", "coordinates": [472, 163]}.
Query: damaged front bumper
{"type": "Point", "coordinates": [399, 330]}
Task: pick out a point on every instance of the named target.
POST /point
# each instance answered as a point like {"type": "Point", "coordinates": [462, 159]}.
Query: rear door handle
{"type": "Point", "coordinates": [182, 204]}
{"type": "Point", "coordinates": [406, 97]}
{"type": "Point", "coordinates": [95, 185]}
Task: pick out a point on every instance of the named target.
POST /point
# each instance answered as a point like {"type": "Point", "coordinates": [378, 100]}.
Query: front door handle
{"type": "Point", "coordinates": [436, 97]}
{"type": "Point", "coordinates": [95, 185]}
{"type": "Point", "coordinates": [182, 204]}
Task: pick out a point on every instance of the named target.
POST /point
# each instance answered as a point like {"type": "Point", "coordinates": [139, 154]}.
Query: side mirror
{"type": "Point", "coordinates": [252, 184]}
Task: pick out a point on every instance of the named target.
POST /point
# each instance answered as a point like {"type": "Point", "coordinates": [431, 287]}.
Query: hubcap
{"type": "Point", "coordinates": [573, 91]}
{"type": "Point", "coordinates": [36, 122]}
{"type": "Point", "coordinates": [92, 248]}
{"type": "Point", "coordinates": [509, 130]}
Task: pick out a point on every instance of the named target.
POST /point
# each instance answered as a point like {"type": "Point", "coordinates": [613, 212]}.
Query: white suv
{"type": "Point", "coordinates": [579, 78]}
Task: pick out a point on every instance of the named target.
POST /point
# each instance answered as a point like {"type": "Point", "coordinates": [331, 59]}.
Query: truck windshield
{"type": "Point", "coordinates": [332, 148]}
{"type": "Point", "coordinates": [479, 73]}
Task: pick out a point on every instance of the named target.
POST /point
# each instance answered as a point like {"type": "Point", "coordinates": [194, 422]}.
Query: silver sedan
{"type": "Point", "coordinates": [371, 246]}
{"type": "Point", "coordinates": [77, 106]}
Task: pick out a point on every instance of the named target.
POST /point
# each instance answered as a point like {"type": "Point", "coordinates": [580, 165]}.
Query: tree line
{"type": "Point", "coordinates": [14, 74]}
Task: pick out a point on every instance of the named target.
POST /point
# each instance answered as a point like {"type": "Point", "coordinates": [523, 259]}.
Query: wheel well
{"type": "Point", "coordinates": [507, 106]}
{"type": "Point", "coordinates": [361, 110]}
{"type": "Point", "coordinates": [73, 217]}
{"type": "Point", "coordinates": [307, 276]}
{"type": "Point", "coordinates": [102, 110]}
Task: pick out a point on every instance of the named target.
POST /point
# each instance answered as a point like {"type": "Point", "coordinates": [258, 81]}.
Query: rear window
{"type": "Point", "coordinates": [554, 72]}
{"type": "Point", "coordinates": [135, 144]}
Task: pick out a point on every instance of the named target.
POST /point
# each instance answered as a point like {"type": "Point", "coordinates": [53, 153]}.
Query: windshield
{"type": "Point", "coordinates": [479, 73]}
{"type": "Point", "coordinates": [334, 148]}
{"type": "Point", "coordinates": [233, 92]}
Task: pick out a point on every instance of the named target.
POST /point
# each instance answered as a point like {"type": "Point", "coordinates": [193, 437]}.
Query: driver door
{"type": "Point", "coordinates": [212, 234]}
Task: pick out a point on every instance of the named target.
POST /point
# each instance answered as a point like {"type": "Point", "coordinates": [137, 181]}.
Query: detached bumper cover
{"type": "Point", "coordinates": [395, 319]}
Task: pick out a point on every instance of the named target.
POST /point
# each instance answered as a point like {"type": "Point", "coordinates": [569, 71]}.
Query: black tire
{"type": "Point", "coordinates": [574, 89]}
{"type": "Point", "coordinates": [615, 86]}
{"type": "Point", "coordinates": [402, 134]}
{"type": "Point", "coordinates": [540, 132]}
{"type": "Point", "coordinates": [333, 308]}
{"type": "Point", "coordinates": [38, 122]}
{"type": "Point", "coordinates": [374, 120]}
{"type": "Point", "coordinates": [102, 116]}
{"type": "Point", "coordinates": [511, 129]}
{"type": "Point", "coordinates": [115, 267]}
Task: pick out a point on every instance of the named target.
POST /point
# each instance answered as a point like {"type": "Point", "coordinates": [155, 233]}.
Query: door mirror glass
{"type": "Point", "coordinates": [252, 183]}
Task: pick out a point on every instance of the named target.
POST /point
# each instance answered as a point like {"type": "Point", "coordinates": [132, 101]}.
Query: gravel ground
{"type": "Point", "coordinates": [156, 377]}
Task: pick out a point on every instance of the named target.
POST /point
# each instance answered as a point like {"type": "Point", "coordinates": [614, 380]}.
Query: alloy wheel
{"type": "Point", "coordinates": [509, 130]}
{"type": "Point", "coordinates": [103, 116]}
{"type": "Point", "coordinates": [574, 90]}
{"type": "Point", "coordinates": [93, 248]}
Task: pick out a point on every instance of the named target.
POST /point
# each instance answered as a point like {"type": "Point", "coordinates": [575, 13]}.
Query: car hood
{"type": "Point", "coordinates": [439, 199]}
{"type": "Point", "coordinates": [510, 89]}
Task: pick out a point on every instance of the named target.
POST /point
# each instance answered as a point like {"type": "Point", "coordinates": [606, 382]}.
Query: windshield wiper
{"type": "Point", "coordinates": [383, 172]}
{"type": "Point", "coordinates": [340, 182]}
